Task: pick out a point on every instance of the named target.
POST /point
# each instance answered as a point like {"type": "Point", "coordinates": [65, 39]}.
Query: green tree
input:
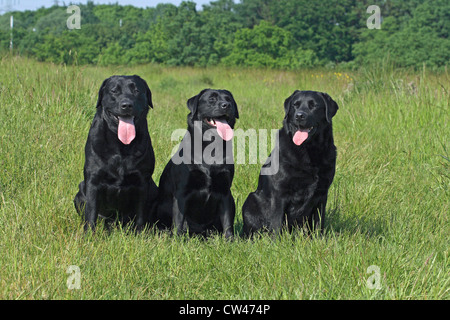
{"type": "Point", "coordinates": [423, 39]}
{"type": "Point", "coordinates": [219, 24]}
{"type": "Point", "coordinates": [268, 46]}
{"type": "Point", "coordinates": [112, 55]}
{"type": "Point", "coordinates": [326, 27]}
{"type": "Point", "coordinates": [184, 44]}
{"type": "Point", "coordinates": [151, 46]}
{"type": "Point", "coordinates": [270, 33]}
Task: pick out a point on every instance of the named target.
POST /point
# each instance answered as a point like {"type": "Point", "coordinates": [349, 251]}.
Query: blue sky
{"type": "Point", "coordinates": [21, 5]}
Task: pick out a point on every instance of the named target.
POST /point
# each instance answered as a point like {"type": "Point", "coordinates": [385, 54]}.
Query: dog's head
{"type": "Point", "coordinates": [307, 113]}
{"type": "Point", "coordinates": [125, 102]}
{"type": "Point", "coordinates": [215, 109]}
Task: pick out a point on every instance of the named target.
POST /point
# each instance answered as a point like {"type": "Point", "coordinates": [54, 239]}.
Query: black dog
{"type": "Point", "coordinates": [297, 193]}
{"type": "Point", "coordinates": [119, 158]}
{"type": "Point", "coordinates": [195, 185]}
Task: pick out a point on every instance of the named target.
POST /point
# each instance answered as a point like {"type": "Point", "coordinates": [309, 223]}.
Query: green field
{"type": "Point", "coordinates": [388, 205]}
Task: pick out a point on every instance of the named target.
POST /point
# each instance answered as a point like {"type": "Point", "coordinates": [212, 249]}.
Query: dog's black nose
{"type": "Point", "coordinates": [126, 106]}
{"type": "Point", "coordinates": [300, 115]}
{"type": "Point", "coordinates": [225, 105]}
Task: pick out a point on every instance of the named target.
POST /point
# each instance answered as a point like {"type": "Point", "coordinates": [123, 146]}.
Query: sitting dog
{"type": "Point", "coordinates": [195, 185]}
{"type": "Point", "coordinates": [297, 193]}
{"type": "Point", "coordinates": [119, 158]}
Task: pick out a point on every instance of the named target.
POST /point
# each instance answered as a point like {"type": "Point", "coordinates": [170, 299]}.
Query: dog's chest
{"type": "Point", "coordinates": [204, 195]}
{"type": "Point", "coordinates": [209, 181]}
{"type": "Point", "coordinates": [298, 182]}
{"type": "Point", "coordinates": [121, 173]}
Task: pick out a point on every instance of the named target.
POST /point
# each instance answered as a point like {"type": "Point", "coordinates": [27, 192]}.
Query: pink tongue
{"type": "Point", "coordinates": [300, 137]}
{"type": "Point", "coordinates": [126, 131]}
{"type": "Point", "coordinates": [224, 129]}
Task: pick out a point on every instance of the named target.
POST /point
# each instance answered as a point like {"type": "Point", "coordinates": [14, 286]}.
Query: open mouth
{"type": "Point", "coordinates": [126, 130]}
{"type": "Point", "coordinates": [117, 118]}
{"type": "Point", "coordinates": [213, 121]}
{"type": "Point", "coordinates": [210, 121]}
{"type": "Point", "coordinates": [223, 128]}
{"type": "Point", "coordinates": [307, 130]}
{"type": "Point", "coordinates": [301, 135]}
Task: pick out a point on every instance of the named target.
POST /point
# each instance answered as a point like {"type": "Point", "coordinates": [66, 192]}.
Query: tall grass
{"type": "Point", "coordinates": [388, 204]}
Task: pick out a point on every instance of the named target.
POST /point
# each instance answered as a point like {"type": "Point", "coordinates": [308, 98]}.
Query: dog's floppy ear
{"type": "Point", "coordinates": [331, 106]}
{"type": "Point", "coordinates": [236, 111]}
{"type": "Point", "coordinates": [192, 103]}
{"type": "Point", "coordinates": [100, 92]}
{"type": "Point", "coordinates": [148, 93]}
{"type": "Point", "coordinates": [287, 103]}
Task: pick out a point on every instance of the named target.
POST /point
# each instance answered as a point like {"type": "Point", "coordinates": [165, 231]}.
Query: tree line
{"type": "Point", "coordinates": [284, 34]}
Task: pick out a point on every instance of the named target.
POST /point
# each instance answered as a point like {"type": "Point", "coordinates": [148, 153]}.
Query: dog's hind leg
{"type": "Point", "coordinates": [254, 214]}
{"type": "Point", "coordinates": [315, 221]}
{"type": "Point", "coordinates": [151, 204]}
{"type": "Point", "coordinates": [80, 199]}
{"type": "Point", "coordinates": [318, 216]}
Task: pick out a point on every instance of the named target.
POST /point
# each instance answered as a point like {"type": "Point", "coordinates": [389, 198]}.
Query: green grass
{"type": "Point", "coordinates": [388, 205]}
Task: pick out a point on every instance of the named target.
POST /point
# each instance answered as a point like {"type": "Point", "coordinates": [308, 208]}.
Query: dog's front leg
{"type": "Point", "coordinates": [91, 208]}
{"type": "Point", "coordinates": [141, 213]}
{"type": "Point", "coordinates": [227, 217]}
{"type": "Point", "coordinates": [179, 221]}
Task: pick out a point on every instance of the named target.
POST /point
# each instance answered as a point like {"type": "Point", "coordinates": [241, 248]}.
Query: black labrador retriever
{"type": "Point", "coordinates": [194, 189]}
{"type": "Point", "coordinates": [296, 195]}
{"type": "Point", "coordinates": [119, 158]}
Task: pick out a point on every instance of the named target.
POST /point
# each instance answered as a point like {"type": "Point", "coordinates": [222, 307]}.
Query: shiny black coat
{"type": "Point", "coordinates": [195, 194]}
{"type": "Point", "coordinates": [296, 195]}
{"type": "Point", "coordinates": [118, 184]}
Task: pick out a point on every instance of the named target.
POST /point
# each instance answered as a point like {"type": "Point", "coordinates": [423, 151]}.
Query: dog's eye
{"type": "Point", "coordinates": [311, 105]}
{"type": "Point", "coordinates": [114, 90]}
{"type": "Point", "coordinates": [212, 99]}
{"type": "Point", "coordinates": [133, 88]}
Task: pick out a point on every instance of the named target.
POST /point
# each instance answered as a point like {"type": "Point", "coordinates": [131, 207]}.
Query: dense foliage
{"type": "Point", "coordinates": [286, 34]}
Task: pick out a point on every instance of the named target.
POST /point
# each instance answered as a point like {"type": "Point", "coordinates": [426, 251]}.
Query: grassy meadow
{"type": "Point", "coordinates": [388, 205]}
